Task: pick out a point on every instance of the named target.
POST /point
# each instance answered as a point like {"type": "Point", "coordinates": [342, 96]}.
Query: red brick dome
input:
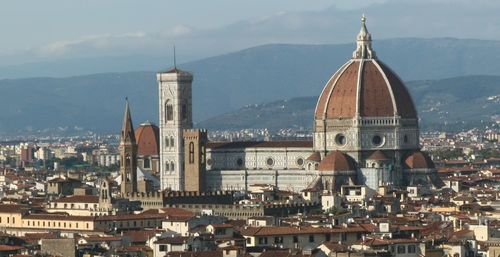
{"type": "Point", "coordinates": [336, 161]}
{"type": "Point", "coordinates": [147, 136]}
{"type": "Point", "coordinates": [314, 157]}
{"type": "Point", "coordinates": [378, 156]}
{"type": "Point", "coordinates": [418, 160]}
{"type": "Point", "coordinates": [364, 87]}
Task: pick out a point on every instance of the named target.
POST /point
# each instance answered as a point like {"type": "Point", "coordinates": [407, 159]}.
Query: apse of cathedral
{"type": "Point", "coordinates": [365, 134]}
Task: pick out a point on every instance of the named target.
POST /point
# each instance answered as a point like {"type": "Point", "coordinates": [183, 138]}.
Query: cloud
{"type": "Point", "coordinates": [337, 24]}
{"type": "Point", "coordinates": [97, 42]}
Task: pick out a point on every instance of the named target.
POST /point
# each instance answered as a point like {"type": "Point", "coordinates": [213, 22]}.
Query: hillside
{"type": "Point", "coordinates": [448, 104]}
{"type": "Point", "coordinates": [226, 83]}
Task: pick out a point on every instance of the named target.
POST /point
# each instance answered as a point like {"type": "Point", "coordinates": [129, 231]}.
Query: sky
{"type": "Point", "coordinates": [34, 31]}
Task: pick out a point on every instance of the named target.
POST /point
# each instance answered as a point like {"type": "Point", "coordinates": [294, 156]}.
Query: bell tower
{"type": "Point", "coordinates": [128, 155]}
{"type": "Point", "coordinates": [175, 111]}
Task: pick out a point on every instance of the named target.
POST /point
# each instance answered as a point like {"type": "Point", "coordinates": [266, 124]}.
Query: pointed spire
{"type": "Point", "coordinates": [127, 134]}
{"type": "Point", "coordinates": [364, 43]}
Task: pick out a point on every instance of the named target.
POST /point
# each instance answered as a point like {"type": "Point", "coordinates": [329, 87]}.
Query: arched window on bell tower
{"type": "Point", "coordinates": [184, 112]}
{"type": "Point", "coordinates": [169, 111]}
{"type": "Point", "coordinates": [191, 152]}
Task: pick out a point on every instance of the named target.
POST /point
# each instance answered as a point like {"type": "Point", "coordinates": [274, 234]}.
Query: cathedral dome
{"type": "Point", "coordinates": [419, 160]}
{"type": "Point", "coordinates": [147, 136]}
{"type": "Point", "coordinates": [336, 161]}
{"type": "Point", "coordinates": [364, 87]}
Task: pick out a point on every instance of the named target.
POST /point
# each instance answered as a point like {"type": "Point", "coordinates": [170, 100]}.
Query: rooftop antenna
{"type": "Point", "coordinates": [175, 61]}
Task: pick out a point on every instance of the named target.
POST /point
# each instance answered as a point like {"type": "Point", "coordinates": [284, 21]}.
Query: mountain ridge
{"type": "Point", "coordinates": [227, 82]}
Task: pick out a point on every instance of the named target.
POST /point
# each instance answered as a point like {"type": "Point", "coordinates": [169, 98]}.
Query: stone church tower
{"type": "Point", "coordinates": [195, 142]}
{"type": "Point", "coordinates": [105, 198]}
{"type": "Point", "coordinates": [175, 116]}
{"type": "Point", "coordinates": [128, 155]}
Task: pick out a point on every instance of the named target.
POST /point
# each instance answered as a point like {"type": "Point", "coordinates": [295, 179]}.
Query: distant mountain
{"type": "Point", "coordinates": [225, 83]}
{"type": "Point", "coordinates": [447, 104]}
{"type": "Point", "coordinates": [272, 72]}
{"type": "Point", "coordinates": [94, 102]}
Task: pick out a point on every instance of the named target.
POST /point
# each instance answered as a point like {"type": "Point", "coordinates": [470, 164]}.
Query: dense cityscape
{"type": "Point", "coordinates": [364, 181]}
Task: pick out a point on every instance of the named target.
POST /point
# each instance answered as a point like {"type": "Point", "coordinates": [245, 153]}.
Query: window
{"type": "Point", "coordinates": [377, 140]}
{"type": "Point", "coordinates": [169, 111]}
{"type": "Point", "coordinates": [262, 240]}
{"type": "Point", "coordinates": [340, 139]}
{"type": "Point", "coordinates": [191, 152]}
{"type": "Point", "coordinates": [172, 166]}
{"type": "Point", "coordinates": [203, 154]}
{"type": "Point", "coordinates": [327, 237]}
{"type": "Point", "coordinates": [311, 238]}
{"type": "Point", "coordinates": [147, 163]}
{"type": "Point", "coordinates": [183, 112]}
{"type": "Point", "coordinates": [278, 239]}
{"type": "Point", "coordinates": [270, 161]}
{"type": "Point", "coordinates": [401, 249]}
{"type": "Point", "coordinates": [295, 239]}
{"type": "Point", "coordinates": [412, 249]}
{"type": "Point", "coordinates": [172, 141]}
{"type": "Point", "coordinates": [163, 248]}
{"type": "Point", "coordinates": [167, 142]}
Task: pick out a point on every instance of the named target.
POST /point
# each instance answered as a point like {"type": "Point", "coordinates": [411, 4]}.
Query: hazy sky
{"type": "Point", "coordinates": [51, 29]}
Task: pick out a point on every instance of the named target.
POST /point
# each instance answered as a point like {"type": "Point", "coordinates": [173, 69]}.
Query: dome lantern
{"type": "Point", "coordinates": [364, 43]}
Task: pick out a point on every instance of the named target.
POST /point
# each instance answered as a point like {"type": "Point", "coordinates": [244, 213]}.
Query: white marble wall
{"type": "Point", "coordinates": [257, 158]}
{"type": "Point", "coordinates": [174, 88]}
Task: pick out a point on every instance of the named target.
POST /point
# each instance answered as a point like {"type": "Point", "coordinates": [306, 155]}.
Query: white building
{"type": "Point", "coordinates": [365, 133]}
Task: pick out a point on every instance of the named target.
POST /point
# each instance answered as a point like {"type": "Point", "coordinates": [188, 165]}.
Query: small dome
{"type": "Point", "coordinates": [314, 157]}
{"type": "Point", "coordinates": [336, 161]}
{"type": "Point", "coordinates": [147, 136]}
{"type": "Point", "coordinates": [378, 156]}
{"type": "Point", "coordinates": [419, 160]}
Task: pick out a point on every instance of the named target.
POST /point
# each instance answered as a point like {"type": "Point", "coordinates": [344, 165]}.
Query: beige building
{"type": "Point", "coordinates": [78, 205]}
{"type": "Point", "coordinates": [299, 237]}
{"type": "Point", "coordinates": [16, 220]}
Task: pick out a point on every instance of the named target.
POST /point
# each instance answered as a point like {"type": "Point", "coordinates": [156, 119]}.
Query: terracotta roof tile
{"type": "Point", "coordinates": [79, 199]}
{"type": "Point", "coordinates": [11, 208]}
